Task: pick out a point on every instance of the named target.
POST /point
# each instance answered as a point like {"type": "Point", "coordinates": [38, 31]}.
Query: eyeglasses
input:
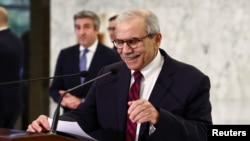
{"type": "Point", "coordinates": [132, 43]}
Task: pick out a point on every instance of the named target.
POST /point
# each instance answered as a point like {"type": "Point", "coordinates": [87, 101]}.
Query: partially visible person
{"type": "Point", "coordinates": [111, 29]}
{"type": "Point", "coordinates": [153, 97]}
{"type": "Point", "coordinates": [87, 25]}
{"type": "Point", "coordinates": [11, 60]}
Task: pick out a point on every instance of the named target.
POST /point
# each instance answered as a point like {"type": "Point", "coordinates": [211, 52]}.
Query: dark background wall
{"type": "Point", "coordinates": [38, 93]}
{"type": "Point", "coordinates": [30, 19]}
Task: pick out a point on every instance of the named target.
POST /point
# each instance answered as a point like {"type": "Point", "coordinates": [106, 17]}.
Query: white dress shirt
{"type": "Point", "coordinates": [150, 75]}
{"type": "Point", "coordinates": [90, 54]}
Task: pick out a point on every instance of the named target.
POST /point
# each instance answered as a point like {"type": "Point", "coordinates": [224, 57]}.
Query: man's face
{"type": "Point", "coordinates": [85, 31]}
{"type": "Point", "coordinates": [111, 30]}
{"type": "Point", "coordinates": [145, 50]}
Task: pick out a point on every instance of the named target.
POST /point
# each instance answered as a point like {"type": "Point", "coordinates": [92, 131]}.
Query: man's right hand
{"type": "Point", "coordinates": [41, 124]}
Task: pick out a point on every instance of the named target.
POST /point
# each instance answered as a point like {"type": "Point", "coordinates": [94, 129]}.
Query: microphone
{"type": "Point", "coordinates": [81, 74]}
{"type": "Point", "coordinates": [57, 111]}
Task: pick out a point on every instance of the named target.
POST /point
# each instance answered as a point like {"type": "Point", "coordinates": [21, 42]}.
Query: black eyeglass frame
{"type": "Point", "coordinates": [134, 41]}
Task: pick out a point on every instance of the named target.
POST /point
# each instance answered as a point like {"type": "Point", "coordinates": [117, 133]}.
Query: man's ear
{"type": "Point", "coordinates": [97, 29]}
{"type": "Point", "coordinates": [158, 38]}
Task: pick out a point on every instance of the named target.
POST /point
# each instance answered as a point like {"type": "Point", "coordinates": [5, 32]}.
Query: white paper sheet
{"type": "Point", "coordinates": [72, 128]}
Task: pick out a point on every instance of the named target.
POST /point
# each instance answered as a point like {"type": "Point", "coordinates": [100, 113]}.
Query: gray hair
{"type": "Point", "coordinates": [150, 19]}
{"type": "Point", "coordinates": [88, 14]}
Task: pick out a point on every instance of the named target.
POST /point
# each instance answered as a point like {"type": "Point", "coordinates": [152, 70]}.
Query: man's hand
{"type": "Point", "coordinates": [41, 124]}
{"type": "Point", "coordinates": [70, 101]}
{"type": "Point", "coordinates": [141, 111]}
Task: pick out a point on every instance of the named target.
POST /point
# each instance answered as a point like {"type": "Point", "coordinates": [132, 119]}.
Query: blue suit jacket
{"type": "Point", "coordinates": [68, 63]}
{"type": "Point", "coordinates": [181, 95]}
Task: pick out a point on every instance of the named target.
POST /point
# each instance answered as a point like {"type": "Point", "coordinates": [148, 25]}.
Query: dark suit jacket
{"type": "Point", "coordinates": [11, 54]}
{"type": "Point", "coordinates": [181, 95]}
{"type": "Point", "coordinates": [68, 63]}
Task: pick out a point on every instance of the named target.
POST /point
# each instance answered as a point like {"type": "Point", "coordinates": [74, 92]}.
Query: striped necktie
{"type": "Point", "coordinates": [134, 94]}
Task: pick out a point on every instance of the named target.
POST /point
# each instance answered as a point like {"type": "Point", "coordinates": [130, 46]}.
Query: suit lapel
{"type": "Point", "coordinates": [75, 60]}
{"type": "Point", "coordinates": [122, 97]}
{"type": "Point", "coordinates": [163, 81]}
{"type": "Point", "coordinates": [97, 58]}
{"type": "Point", "coordinates": [161, 87]}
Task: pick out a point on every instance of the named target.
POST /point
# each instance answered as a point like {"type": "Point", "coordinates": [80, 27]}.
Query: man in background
{"type": "Point", "coordinates": [111, 28]}
{"type": "Point", "coordinates": [11, 60]}
{"type": "Point", "coordinates": [70, 60]}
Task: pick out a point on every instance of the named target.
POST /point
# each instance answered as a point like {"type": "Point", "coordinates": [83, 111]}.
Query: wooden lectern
{"type": "Point", "coordinates": [17, 135]}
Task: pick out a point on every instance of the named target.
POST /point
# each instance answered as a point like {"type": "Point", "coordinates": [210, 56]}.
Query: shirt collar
{"type": "Point", "coordinates": [3, 28]}
{"type": "Point", "coordinates": [156, 63]}
{"type": "Point", "coordinates": [91, 48]}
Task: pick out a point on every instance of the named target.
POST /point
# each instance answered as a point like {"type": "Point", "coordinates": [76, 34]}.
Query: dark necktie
{"type": "Point", "coordinates": [83, 62]}
{"type": "Point", "coordinates": [134, 94]}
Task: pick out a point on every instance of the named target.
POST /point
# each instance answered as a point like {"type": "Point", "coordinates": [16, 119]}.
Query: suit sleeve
{"type": "Point", "coordinates": [192, 126]}
{"type": "Point", "coordinates": [57, 83]}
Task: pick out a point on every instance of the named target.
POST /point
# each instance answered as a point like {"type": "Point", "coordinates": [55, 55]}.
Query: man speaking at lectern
{"type": "Point", "coordinates": [152, 97]}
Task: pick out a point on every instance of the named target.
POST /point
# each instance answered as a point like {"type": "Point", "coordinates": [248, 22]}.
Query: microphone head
{"type": "Point", "coordinates": [84, 73]}
{"type": "Point", "coordinates": [114, 71]}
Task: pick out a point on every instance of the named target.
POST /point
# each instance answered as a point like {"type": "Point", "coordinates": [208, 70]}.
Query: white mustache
{"type": "Point", "coordinates": [131, 55]}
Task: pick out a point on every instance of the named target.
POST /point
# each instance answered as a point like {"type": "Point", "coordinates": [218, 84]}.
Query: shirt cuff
{"type": "Point", "coordinates": [151, 129]}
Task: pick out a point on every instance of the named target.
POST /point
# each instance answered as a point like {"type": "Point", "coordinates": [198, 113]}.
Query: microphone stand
{"type": "Point", "coordinates": [82, 74]}
{"type": "Point", "coordinates": [57, 111]}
